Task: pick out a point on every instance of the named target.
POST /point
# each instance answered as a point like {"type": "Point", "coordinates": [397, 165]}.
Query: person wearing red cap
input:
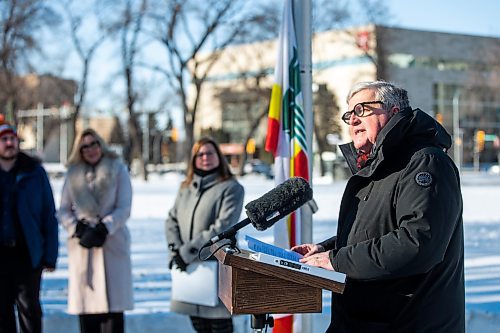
{"type": "Point", "coordinates": [28, 234]}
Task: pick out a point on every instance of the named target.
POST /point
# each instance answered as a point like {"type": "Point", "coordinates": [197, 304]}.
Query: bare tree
{"type": "Point", "coordinates": [336, 15]}
{"type": "Point", "coordinates": [328, 15]}
{"type": "Point", "coordinates": [128, 27]}
{"type": "Point", "coordinates": [326, 115]}
{"type": "Point", "coordinates": [340, 14]}
{"type": "Point", "coordinates": [252, 109]}
{"type": "Point", "coordinates": [250, 95]}
{"type": "Point", "coordinates": [186, 29]}
{"type": "Point", "coordinates": [79, 20]}
{"type": "Point", "coordinates": [20, 24]}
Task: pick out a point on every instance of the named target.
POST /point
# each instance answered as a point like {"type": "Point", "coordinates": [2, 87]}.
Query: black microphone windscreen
{"type": "Point", "coordinates": [279, 202]}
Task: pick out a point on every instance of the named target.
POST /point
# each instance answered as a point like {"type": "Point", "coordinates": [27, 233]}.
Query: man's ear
{"type": "Point", "coordinates": [394, 110]}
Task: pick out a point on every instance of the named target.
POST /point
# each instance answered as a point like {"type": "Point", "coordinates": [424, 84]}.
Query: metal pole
{"type": "Point", "coordinates": [302, 21]}
{"type": "Point", "coordinates": [456, 129]}
{"type": "Point", "coordinates": [302, 17]}
{"type": "Point", "coordinates": [145, 138]}
{"type": "Point", "coordinates": [39, 128]}
{"type": "Point", "coordinates": [63, 147]}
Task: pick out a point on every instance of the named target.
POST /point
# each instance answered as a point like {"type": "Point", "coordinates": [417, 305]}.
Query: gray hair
{"type": "Point", "coordinates": [387, 92]}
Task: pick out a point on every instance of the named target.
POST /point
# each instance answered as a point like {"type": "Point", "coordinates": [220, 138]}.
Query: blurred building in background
{"type": "Point", "coordinates": [455, 78]}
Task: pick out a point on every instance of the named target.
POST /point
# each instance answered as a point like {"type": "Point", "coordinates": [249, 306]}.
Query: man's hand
{"type": "Point", "coordinates": [318, 259]}
{"type": "Point", "coordinates": [308, 249]}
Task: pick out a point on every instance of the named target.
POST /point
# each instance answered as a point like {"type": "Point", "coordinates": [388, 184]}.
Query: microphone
{"type": "Point", "coordinates": [271, 207]}
{"type": "Point", "coordinates": [278, 203]}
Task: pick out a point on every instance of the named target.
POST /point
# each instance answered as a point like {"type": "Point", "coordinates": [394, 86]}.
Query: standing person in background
{"type": "Point", "coordinates": [28, 234]}
{"type": "Point", "coordinates": [400, 231]}
{"type": "Point", "coordinates": [95, 205]}
{"type": "Point", "coordinates": [208, 202]}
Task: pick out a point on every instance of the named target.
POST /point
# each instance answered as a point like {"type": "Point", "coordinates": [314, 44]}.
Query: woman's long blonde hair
{"type": "Point", "coordinates": [76, 155]}
{"type": "Point", "coordinates": [223, 168]}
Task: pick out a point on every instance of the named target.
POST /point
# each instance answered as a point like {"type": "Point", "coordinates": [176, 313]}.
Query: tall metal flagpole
{"type": "Point", "coordinates": [302, 16]}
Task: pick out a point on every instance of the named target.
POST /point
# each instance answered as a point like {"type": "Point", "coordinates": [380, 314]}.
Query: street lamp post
{"type": "Point", "coordinates": [457, 150]}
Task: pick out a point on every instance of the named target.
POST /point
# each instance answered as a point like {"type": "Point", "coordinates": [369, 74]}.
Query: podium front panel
{"type": "Point", "coordinates": [246, 292]}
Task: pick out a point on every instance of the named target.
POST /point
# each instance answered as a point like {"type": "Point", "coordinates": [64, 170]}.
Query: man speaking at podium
{"type": "Point", "coordinates": [400, 232]}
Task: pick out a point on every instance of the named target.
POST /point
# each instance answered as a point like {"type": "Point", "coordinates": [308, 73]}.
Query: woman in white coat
{"type": "Point", "coordinates": [95, 205]}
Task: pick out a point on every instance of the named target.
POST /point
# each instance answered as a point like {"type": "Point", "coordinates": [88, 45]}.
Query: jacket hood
{"type": "Point", "coordinates": [26, 163]}
{"type": "Point", "coordinates": [413, 127]}
{"type": "Point", "coordinates": [408, 128]}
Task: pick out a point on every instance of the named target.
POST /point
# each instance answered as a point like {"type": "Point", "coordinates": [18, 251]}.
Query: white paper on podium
{"type": "Point", "coordinates": [300, 267]}
{"type": "Point", "coordinates": [260, 246]}
{"type": "Point", "coordinates": [279, 257]}
{"type": "Point", "coordinates": [197, 285]}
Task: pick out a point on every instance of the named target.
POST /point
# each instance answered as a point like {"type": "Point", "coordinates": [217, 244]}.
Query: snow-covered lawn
{"type": "Point", "coordinates": [153, 199]}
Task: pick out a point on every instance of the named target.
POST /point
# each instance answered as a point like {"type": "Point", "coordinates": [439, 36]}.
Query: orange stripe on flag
{"type": "Point", "coordinates": [283, 325]}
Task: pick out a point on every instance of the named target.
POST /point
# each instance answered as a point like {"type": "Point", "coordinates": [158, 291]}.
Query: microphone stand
{"type": "Point", "coordinates": [232, 243]}
{"type": "Point", "coordinates": [231, 247]}
{"type": "Point", "coordinates": [260, 321]}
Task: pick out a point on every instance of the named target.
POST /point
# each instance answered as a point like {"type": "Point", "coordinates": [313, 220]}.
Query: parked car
{"type": "Point", "coordinates": [259, 167]}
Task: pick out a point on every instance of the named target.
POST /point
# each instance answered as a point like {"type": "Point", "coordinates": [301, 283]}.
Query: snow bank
{"type": "Point", "coordinates": [152, 283]}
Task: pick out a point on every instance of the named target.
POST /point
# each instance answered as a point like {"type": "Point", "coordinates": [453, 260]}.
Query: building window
{"type": "Point", "coordinates": [478, 108]}
{"type": "Point", "coordinates": [404, 60]}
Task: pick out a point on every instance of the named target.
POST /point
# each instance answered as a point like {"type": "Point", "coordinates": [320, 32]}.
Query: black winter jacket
{"type": "Point", "coordinates": [400, 234]}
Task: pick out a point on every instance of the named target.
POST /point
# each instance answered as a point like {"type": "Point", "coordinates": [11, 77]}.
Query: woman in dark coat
{"type": "Point", "coordinates": [208, 202]}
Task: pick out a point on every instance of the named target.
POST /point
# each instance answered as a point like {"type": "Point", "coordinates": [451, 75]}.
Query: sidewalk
{"type": "Point", "coordinates": [152, 279]}
{"type": "Point", "coordinates": [162, 322]}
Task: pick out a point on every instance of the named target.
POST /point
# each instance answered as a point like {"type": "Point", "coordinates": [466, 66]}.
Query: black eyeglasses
{"type": "Point", "coordinates": [89, 145]}
{"type": "Point", "coordinates": [207, 154]}
{"type": "Point", "coordinates": [358, 110]}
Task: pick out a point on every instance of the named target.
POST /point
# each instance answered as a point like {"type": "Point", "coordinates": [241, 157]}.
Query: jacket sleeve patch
{"type": "Point", "coordinates": [423, 179]}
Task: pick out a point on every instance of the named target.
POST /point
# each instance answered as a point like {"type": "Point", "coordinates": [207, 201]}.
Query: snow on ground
{"type": "Point", "coordinates": [152, 283]}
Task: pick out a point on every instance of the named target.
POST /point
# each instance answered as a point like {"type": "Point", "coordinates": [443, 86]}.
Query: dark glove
{"type": "Point", "coordinates": [177, 260]}
{"type": "Point", "coordinates": [81, 227]}
{"type": "Point", "coordinates": [48, 267]}
{"type": "Point", "coordinates": [94, 237]}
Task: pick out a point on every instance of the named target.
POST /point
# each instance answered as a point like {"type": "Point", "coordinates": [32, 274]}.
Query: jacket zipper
{"type": "Point", "coordinates": [192, 216]}
{"type": "Point", "coordinates": [365, 198]}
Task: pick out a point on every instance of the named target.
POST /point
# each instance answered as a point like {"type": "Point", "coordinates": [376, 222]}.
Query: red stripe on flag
{"type": "Point", "coordinates": [301, 165]}
{"type": "Point", "coordinates": [273, 129]}
{"type": "Point", "coordinates": [292, 230]}
{"type": "Point", "coordinates": [283, 325]}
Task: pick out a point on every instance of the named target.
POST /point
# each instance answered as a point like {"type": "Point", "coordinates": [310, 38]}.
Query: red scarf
{"type": "Point", "coordinates": [361, 159]}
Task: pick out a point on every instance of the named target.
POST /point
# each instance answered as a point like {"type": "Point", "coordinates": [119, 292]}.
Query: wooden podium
{"type": "Point", "coordinates": [251, 287]}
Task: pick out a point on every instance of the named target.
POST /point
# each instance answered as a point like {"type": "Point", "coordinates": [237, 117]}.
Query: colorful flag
{"type": "Point", "coordinates": [286, 137]}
